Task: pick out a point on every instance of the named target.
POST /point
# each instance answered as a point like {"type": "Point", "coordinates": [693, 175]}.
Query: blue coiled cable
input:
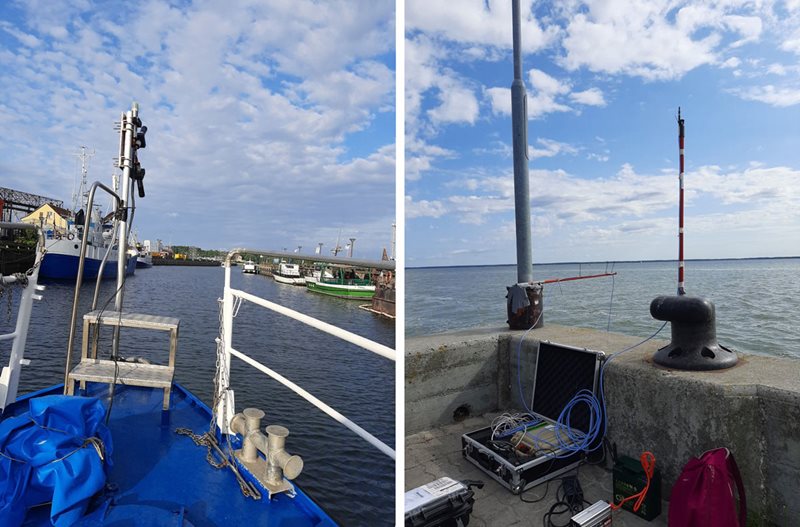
{"type": "Point", "coordinates": [576, 440]}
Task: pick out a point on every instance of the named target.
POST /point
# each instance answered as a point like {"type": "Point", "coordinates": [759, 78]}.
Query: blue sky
{"type": "Point", "coordinates": [271, 124]}
{"type": "Point", "coordinates": [604, 81]}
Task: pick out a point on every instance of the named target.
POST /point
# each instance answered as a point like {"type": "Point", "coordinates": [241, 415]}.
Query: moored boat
{"type": "Point", "coordinates": [249, 267]}
{"type": "Point", "coordinates": [346, 284]}
{"type": "Point", "coordinates": [288, 273]}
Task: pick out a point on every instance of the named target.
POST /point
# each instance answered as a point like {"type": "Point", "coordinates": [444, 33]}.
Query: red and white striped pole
{"type": "Point", "coordinates": [681, 130]}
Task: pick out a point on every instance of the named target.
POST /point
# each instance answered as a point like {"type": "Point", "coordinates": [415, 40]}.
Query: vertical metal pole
{"type": "Point", "coordinates": [128, 131]}
{"type": "Point", "coordinates": [225, 404]}
{"type": "Point", "coordinates": [519, 124]}
{"type": "Point", "coordinates": [352, 244]}
{"type": "Point", "coordinates": [681, 133]}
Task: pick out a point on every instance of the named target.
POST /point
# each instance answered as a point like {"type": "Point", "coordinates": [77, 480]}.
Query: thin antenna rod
{"type": "Point", "coordinates": [519, 125]}
{"type": "Point", "coordinates": [681, 134]}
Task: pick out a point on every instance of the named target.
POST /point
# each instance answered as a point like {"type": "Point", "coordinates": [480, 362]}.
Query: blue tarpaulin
{"type": "Point", "coordinates": [56, 452]}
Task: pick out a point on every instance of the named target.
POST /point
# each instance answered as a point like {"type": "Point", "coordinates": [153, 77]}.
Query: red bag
{"type": "Point", "coordinates": [705, 494]}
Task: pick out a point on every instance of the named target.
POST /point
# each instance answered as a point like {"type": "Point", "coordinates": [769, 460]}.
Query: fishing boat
{"type": "Point", "coordinates": [249, 267]}
{"type": "Point", "coordinates": [63, 248]}
{"type": "Point", "coordinates": [64, 230]}
{"type": "Point", "coordinates": [346, 284]}
{"type": "Point", "coordinates": [318, 274]}
{"type": "Point", "coordinates": [288, 273]}
{"type": "Point", "coordinates": [144, 260]}
{"type": "Point", "coordinates": [121, 442]}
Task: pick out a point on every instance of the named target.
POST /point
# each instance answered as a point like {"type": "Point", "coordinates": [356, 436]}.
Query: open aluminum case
{"type": "Point", "coordinates": [561, 371]}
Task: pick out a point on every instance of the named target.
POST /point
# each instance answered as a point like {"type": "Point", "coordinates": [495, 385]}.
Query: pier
{"type": "Point", "coordinates": [456, 382]}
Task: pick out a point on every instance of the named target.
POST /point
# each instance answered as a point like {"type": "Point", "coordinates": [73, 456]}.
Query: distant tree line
{"type": "Point", "coordinates": [196, 252]}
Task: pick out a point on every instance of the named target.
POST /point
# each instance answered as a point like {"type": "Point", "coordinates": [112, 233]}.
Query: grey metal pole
{"type": "Point", "coordinates": [128, 131]}
{"type": "Point", "coordinates": [519, 124]}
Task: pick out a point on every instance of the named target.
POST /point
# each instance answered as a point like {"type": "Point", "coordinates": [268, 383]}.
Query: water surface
{"type": "Point", "coordinates": [756, 300]}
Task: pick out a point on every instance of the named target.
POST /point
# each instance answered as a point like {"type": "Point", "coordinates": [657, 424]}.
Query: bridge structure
{"type": "Point", "coordinates": [22, 203]}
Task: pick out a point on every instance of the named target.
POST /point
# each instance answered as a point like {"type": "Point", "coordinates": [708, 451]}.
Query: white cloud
{"type": "Point", "coordinates": [641, 38]}
{"type": "Point", "coordinates": [546, 94]}
{"type": "Point", "coordinates": [792, 43]}
{"type": "Point", "coordinates": [770, 94]}
{"type": "Point", "coordinates": [732, 62]}
{"type": "Point", "coordinates": [628, 201]}
{"type": "Point", "coordinates": [777, 69]}
{"type": "Point", "coordinates": [590, 97]}
{"type": "Point", "coordinates": [483, 22]}
{"type": "Point", "coordinates": [550, 148]}
{"type": "Point", "coordinates": [423, 208]}
{"type": "Point", "coordinates": [457, 105]}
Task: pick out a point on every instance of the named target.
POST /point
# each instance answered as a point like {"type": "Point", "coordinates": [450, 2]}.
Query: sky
{"type": "Point", "coordinates": [604, 81]}
{"type": "Point", "coordinates": [270, 125]}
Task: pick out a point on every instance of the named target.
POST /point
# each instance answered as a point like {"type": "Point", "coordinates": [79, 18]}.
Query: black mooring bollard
{"type": "Point", "coordinates": [525, 306]}
{"type": "Point", "coordinates": [694, 343]}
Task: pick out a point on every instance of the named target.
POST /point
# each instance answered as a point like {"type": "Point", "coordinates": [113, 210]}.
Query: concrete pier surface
{"type": "Point", "coordinates": [753, 409]}
{"type": "Point", "coordinates": [435, 453]}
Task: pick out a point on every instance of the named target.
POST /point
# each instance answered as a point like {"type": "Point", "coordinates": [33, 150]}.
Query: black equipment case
{"type": "Point", "coordinates": [561, 372]}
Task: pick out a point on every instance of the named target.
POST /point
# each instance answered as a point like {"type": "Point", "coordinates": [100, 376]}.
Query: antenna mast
{"type": "Point", "coordinates": [681, 133]}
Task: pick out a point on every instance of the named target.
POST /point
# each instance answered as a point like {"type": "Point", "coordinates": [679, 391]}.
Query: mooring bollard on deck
{"type": "Point", "coordinates": [694, 343]}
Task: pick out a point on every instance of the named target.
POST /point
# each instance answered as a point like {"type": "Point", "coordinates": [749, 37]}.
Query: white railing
{"type": "Point", "coordinates": [9, 375]}
{"type": "Point", "coordinates": [225, 409]}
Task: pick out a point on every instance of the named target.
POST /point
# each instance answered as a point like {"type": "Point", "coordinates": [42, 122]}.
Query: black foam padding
{"type": "Point", "coordinates": [561, 372]}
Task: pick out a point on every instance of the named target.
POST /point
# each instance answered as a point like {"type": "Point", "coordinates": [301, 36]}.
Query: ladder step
{"type": "Point", "coordinates": [131, 373]}
{"type": "Point", "coordinates": [133, 320]}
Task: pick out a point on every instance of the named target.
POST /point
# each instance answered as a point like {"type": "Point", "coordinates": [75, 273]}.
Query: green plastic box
{"type": "Point", "coordinates": [629, 478]}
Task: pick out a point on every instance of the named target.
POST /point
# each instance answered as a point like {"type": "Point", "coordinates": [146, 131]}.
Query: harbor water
{"type": "Point", "coordinates": [350, 479]}
{"type": "Point", "coordinates": [756, 300]}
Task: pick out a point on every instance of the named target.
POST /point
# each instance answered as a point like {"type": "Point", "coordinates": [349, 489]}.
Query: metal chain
{"type": "Point", "coordinates": [203, 440]}
{"type": "Point", "coordinates": [207, 439]}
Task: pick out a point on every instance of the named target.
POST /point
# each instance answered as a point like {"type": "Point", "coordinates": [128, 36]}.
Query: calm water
{"type": "Point", "coordinates": [756, 300]}
{"type": "Point", "coordinates": [351, 480]}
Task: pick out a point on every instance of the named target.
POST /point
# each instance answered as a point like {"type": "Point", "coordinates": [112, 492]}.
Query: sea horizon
{"type": "Point", "coordinates": [595, 262]}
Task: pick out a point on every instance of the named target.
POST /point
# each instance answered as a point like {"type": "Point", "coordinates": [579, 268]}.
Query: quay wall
{"type": "Point", "coordinates": [186, 263]}
{"type": "Point", "coordinates": [752, 408]}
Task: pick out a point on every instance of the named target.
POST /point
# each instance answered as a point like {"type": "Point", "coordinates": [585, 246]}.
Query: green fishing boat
{"type": "Point", "coordinates": [345, 284]}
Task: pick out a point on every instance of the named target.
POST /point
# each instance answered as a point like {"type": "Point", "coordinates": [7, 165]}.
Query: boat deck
{"type": "Point", "coordinates": [436, 453]}
{"type": "Point", "coordinates": [162, 478]}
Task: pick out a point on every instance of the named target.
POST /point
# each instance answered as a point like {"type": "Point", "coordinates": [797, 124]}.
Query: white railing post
{"type": "Point", "coordinates": [225, 401]}
{"type": "Point", "coordinates": [9, 376]}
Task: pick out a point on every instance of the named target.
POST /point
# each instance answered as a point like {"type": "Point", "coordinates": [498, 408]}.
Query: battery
{"type": "Point", "coordinates": [629, 479]}
{"type": "Point", "coordinates": [444, 502]}
{"type": "Point", "coordinates": [596, 515]}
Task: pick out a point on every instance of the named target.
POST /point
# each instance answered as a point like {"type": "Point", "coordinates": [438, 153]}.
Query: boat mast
{"type": "Point", "coordinates": [80, 196]}
{"type": "Point", "coordinates": [681, 133]}
{"type": "Point", "coordinates": [519, 125]}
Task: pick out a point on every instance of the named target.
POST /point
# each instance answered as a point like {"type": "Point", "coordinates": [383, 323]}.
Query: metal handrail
{"type": "Point", "coordinates": [227, 307]}
{"type": "Point", "coordinates": [81, 261]}
{"type": "Point", "coordinates": [358, 340]}
{"type": "Point", "coordinates": [371, 439]}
